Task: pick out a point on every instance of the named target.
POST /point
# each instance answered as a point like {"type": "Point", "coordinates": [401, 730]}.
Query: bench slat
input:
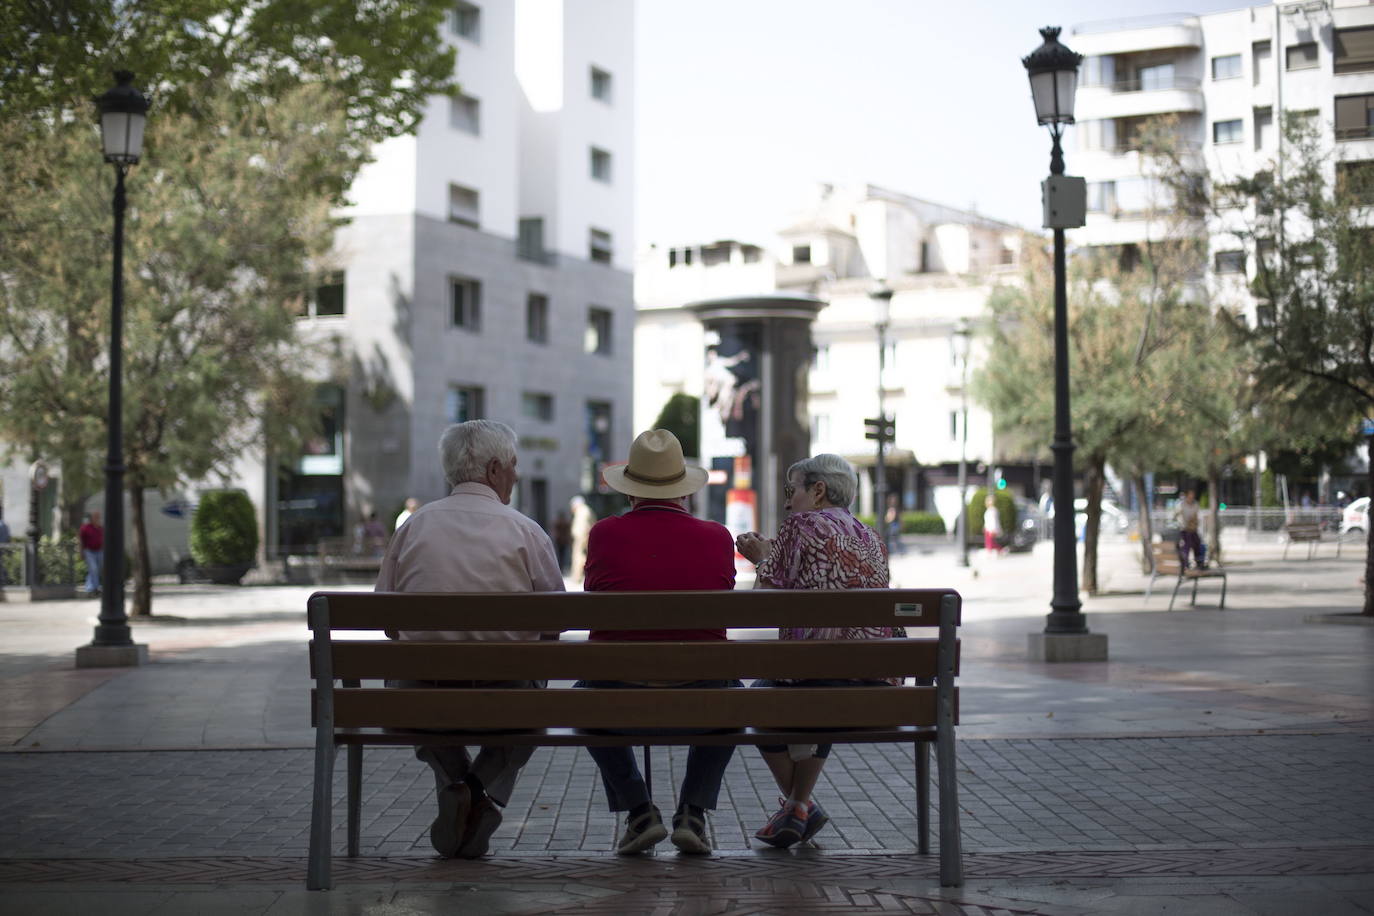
{"type": "Point", "coordinates": [636, 661]}
{"type": "Point", "coordinates": [641, 708]}
{"type": "Point", "coordinates": [573, 737]}
{"type": "Point", "coordinates": [630, 610]}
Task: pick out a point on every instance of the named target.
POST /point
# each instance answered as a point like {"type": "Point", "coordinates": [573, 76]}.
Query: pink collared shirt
{"type": "Point", "coordinates": [469, 542]}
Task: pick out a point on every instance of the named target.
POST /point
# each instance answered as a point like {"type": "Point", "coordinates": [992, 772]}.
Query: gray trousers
{"type": "Point", "coordinates": [495, 766]}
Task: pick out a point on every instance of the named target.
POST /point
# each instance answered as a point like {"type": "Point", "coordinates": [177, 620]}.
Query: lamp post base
{"type": "Point", "coordinates": [130, 656]}
{"type": "Point", "coordinates": [1068, 647]}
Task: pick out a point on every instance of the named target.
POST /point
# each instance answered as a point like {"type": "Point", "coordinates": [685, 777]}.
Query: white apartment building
{"type": "Point", "coordinates": [1226, 77]}
{"type": "Point", "coordinates": [941, 264]}
{"type": "Point", "coordinates": [485, 272]}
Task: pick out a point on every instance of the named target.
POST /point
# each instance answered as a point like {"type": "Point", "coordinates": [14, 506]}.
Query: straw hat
{"type": "Point", "coordinates": [656, 469]}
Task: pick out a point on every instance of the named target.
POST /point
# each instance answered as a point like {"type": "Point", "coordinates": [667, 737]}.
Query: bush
{"type": "Point", "coordinates": [224, 530]}
{"type": "Point", "coordinates": [977, 505]}
{"type": "Point", "coordinates": [912, 522]}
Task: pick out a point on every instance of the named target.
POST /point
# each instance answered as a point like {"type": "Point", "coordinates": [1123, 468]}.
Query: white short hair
{"type": "Point", "coordinates": [838, 475]}
{"type": "Point", "coordinates": [465, 449]}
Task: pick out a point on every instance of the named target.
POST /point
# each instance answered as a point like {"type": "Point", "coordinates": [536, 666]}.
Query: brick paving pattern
{"type": "Point", "coordinates": [1070, 794]}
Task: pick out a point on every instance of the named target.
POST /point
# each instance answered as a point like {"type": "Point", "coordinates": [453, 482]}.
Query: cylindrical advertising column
{"type": "Point", "coordinates": [754, 417]}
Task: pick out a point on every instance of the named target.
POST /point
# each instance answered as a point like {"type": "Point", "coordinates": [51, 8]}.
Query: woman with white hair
{"type": "Point", "coordinates": [819, 545]}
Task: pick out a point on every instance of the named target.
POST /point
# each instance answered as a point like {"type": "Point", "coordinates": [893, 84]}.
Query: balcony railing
{"type": "Point", "coordinates": [1358, 132]}
{"type": "Point", "coordinates": [1153, 84]}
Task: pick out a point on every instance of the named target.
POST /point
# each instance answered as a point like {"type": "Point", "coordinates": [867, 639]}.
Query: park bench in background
{"type": "Point", "coordinates": [1168, 563]}
{"type": "Point", "coordinates": [358, 710]}
{"type": "Point", "coordinates": [1309, 533]}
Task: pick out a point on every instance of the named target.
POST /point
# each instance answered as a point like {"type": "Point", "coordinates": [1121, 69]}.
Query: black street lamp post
{"type": "Point", "coordinates": [961, 341]}
{"type": "Point", "coordinates": [882, 299]}
{"type": "Point", "coordinates": [1053, 71]}
{"type": "Point", "coordinates": [123, 112]}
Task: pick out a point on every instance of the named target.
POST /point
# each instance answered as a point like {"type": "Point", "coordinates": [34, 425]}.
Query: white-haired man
{"type": "Point", "coordinates": [471, 541]}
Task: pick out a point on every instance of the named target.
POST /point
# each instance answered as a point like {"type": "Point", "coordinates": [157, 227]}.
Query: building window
{"type": "Point", "coordinates": [820, 428]}
{"type": "Point", "coordinates": [1354, 117]}
{"type": "Point", "coordinates": [465, 20]}
{"type": "Point", "coordinates": [328, 297]}
{"type": "Point", "coordinates": [801, 254]}
{"type": "Point", "coordinates": [601, 85]}
{"type": "Point", "coordinates": [1160, 76]}
{"type": "Point", "coordinates": [464, 402]}
{"type": "Point", "coordinates": [465, 114]}
{"type": "Point", "coordinates": [1355, 181]}
{"type": "Point", "coordinates": [1264, 127]}
{"type": "Point", "coordinates": [1101, 196]}
{"type": "Point", "coordinates": [820, 358]}
{"type": "Point", "coordinates": [537, 318]}
{"type": "Point", "coordinates": [599, 245]}
{"type": "Point", "coordinates": [1226, 67]}
{"type": "Point", "coordinates": [598, 336]}
{"type": "Point", "coordinates": [536, 405]}
{"type": "Point", "coordinates": [1354, 50]}
{"type": "Point", "coordinates": [1261, 52]}
{"type": "Point", "coordinates": [1228, 131]}
{"type": "Point", "coordinates": [1301, 57]}
{"type": "Point", "coordinates": [465, 303]}
{"type": "Point", "coordinates": [601, 165]}
{"type": "Point", "coordinates": [1230, 262]}
{"type": "Point", "coordinates": [464, 206]}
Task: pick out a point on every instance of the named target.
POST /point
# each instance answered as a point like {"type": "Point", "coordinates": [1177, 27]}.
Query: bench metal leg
{"type": "Point", "coordinates": [355, 797]}
{"type": "Point", "coordinates": [1222, 606]}
{"type": "Point", "coordinates": [951, 858]}
{"type": "Point", "coordinates": [1150, 586]}
{"type": "Point", "coordinates": [648, 773]}
{"type": "Point", "coordinates": [923, 797]}
{"type": "Point", "coordinates": [318, 875]}
{"type": "Point", "coordinates": [1174, 596]}
{"type": "Point", "coordinates": [1192, 602]}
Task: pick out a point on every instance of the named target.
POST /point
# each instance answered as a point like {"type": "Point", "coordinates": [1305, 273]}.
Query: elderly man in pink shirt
{"type": "Point", "coordinates": [472, 541]}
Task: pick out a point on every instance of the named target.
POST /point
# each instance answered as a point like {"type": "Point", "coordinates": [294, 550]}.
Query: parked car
{"type": "Point", "coordinates": [1114, 519]}
{"type": "Point", "coordinates": [1026, 531]}
{"type": "Point", "coordinates": [1355, 518]}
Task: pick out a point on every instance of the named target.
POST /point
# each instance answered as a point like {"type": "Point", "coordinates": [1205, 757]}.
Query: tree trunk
{"type": "Point", "coordinates": [1145, 525]}
{"type": "Point", "coordinates": [1214, 517]}
{"type": "Point", "coordinates": [1093, 480]}
{"type": "Point", "coordinates": [1369, 542]}
{"type": "Point", "coordinates": [142, 604]}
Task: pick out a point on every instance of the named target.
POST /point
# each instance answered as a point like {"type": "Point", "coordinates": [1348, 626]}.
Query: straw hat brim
{"type": "Point", "coordinates": [692, 480]}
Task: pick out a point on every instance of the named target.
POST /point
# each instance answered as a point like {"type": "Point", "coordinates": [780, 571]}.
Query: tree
{"type": "Point", "coordinates": [220, 239]}
{"type": "Point", "coordinates": [263, 113]}
{"type": "Point", "coordinates": [681, 416]}
{"type": "Point", "coordinates": [1123, 320]}
{"type": "Point", "coordinates": [1303, 224]}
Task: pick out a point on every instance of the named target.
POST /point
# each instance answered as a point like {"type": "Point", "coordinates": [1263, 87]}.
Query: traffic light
{"type": "Point", "coordinates": [880, 427]}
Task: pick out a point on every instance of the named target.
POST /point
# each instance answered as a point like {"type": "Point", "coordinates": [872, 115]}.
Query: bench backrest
{"type": "Point", "coordinates": [928, 653]}
{"type": "Point", "coordinates": [1303, 531]}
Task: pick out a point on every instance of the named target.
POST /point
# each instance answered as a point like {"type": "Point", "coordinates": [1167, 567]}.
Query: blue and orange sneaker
{"type": "Point", "coordinates": [816, 818]}
{"type": "Point", "coordinates": [786, 827]}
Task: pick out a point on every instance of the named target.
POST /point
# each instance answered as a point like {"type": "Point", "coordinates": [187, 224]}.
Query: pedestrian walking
{"type": "Point", "coordinates": [92, 538]}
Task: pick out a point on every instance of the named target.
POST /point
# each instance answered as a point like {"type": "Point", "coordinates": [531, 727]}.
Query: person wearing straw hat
{"type": "Point", "coordinates": [659, 546]}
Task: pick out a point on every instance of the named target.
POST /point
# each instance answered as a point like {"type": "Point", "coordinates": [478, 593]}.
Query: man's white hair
{"type": "Point", "coordinates": [465, 449]}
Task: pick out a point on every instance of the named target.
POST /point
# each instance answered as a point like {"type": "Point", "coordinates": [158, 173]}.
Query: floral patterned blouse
{"type": "Point", "coordinates": [828, 549]}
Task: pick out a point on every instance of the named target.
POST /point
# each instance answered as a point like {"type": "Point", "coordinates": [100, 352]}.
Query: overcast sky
{"type": "Point", "coordinates": [743, 104]}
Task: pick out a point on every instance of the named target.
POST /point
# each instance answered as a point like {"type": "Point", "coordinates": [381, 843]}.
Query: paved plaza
{"type": "Point", "coordinates": [1220, 762]}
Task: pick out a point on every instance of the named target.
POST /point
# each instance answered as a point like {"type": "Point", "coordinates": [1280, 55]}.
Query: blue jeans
{"type": "Point", "coordinates": [93, 558]}
{"type": "Point", "coordinates": [623, 781]}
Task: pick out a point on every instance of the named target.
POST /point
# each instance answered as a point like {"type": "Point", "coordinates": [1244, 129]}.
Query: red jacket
{"type": "Point", "coordinates": [658, 546]}
{"type": "Point", "coordinates": [92, 536]}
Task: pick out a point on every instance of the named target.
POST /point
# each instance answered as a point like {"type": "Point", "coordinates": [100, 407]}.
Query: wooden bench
{"type": "Point", "coordinates": [1309, 533]}
{"type": "Point", "coordinates": [352, 708]}
{"type": "Point", "coordinates": [1168, 563]}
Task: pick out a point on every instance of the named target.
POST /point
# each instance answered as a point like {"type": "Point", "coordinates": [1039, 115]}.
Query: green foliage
{"type": "Point", "coordinates": [977, 507]}
{"type": "Point", "coordinates": [681, 416]}
{"type": "Point", "coordinates": [912, 522]}
{"type": "Point", "coordinates": [1269, 493]}
{"type": "Point", "coordinates": [381, 59]}
{"type": "Point", "coordinates": [224, 530]}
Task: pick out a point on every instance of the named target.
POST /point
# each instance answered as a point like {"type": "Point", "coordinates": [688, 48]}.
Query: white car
{"type": "Point", "coordinates": [1355, 518]}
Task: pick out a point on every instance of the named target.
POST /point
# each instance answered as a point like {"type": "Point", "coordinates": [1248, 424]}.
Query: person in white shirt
{"type": "Point", "coordinates": [471, 541]}
{"type": "Point", "coordinates": [411, 505]}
